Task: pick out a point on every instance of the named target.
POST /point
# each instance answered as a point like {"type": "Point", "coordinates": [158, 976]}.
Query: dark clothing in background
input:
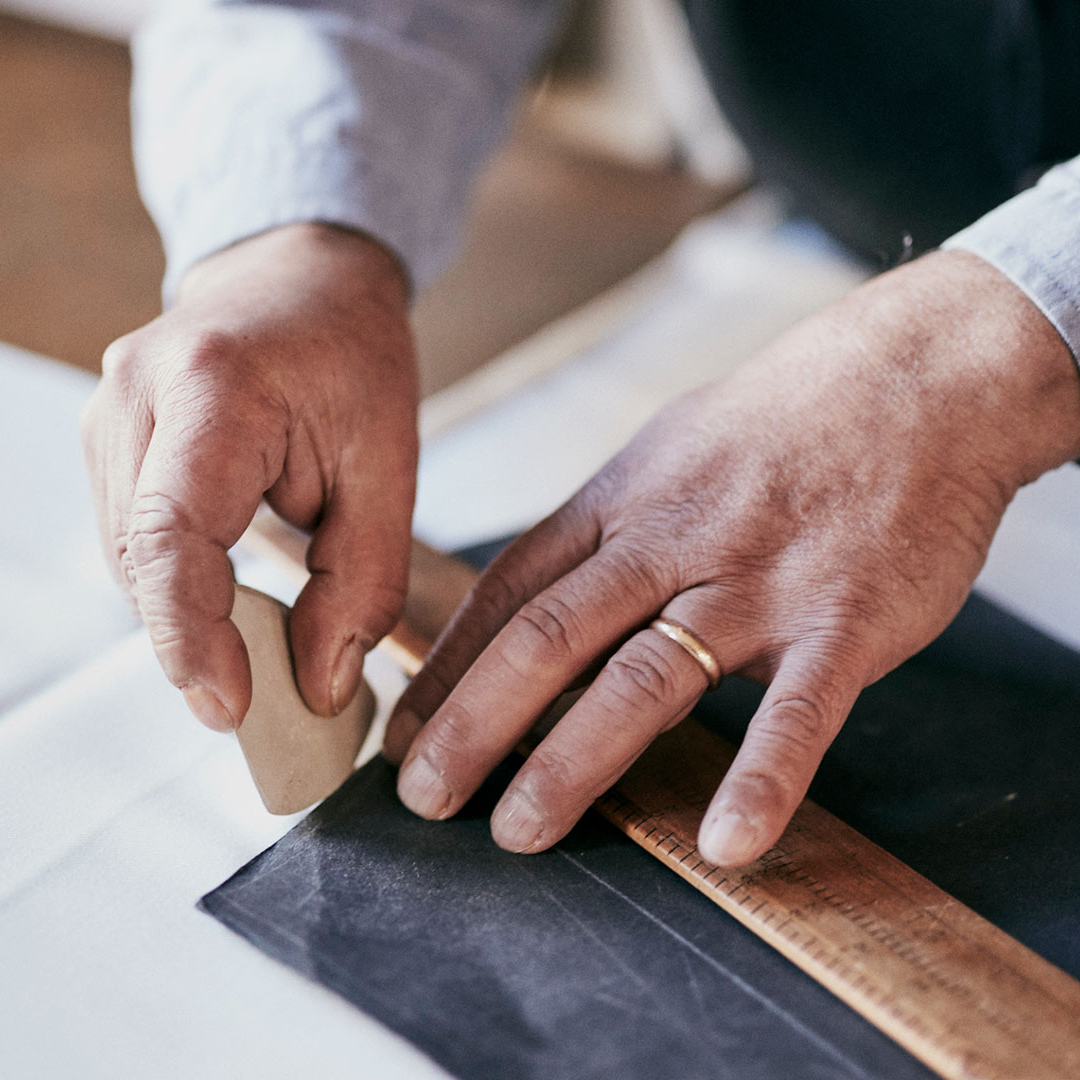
{"type": "Point", "coordinates": [886, 120]}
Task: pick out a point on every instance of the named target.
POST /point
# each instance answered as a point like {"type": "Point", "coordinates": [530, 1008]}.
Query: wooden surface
{"type": "Point", "coordinates": [961, 995]}
{"type": "Point", "coordinates": [80, 262]}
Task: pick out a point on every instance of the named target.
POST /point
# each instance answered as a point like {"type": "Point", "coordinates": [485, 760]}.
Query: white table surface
{"type": "Point", "coordinates": [117, 810]}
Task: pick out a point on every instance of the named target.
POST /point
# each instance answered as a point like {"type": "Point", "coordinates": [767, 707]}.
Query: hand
{"type": "Point", "coordinates": [815, 520]}
{"type": "Point", "coordinates": [286, 370]}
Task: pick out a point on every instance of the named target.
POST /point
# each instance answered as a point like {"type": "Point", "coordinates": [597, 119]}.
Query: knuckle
{"type": "Point", "coordinates": [124, 560]}
{"type": "Point", "coordinates": [382, 605]}
{"type": "Point", "coordinates": [494, 593]}
{"type": "Point", "coordinates": [214, 386]}
{"type": "Point", "coordinates": [548, 633]}
{"type": "Point", "coordinates": [642, 562]}
{"type": "Point", "coordinates": [168, 639]}
{"type": "Point", "coordinates": [120, 359]}
{"type": "Point", "coordinates": [154, 522]}
{"type": "Point", "coordinates": [842, 648]}
{"type": "Point", "coordinates": [641, 674]}
{"type": "Point", "coordinates": [802, 722]}
{"type": "Point", "coordinates": [208, 349]}
{"type": "Point", "coordinates": [552, 776]}
{"type": "Point", "coordinates": [836, 619]}
{"type": "Point", "coordinates": [154, 511]}
{"type": "Point", "coordinates": [450, 736]}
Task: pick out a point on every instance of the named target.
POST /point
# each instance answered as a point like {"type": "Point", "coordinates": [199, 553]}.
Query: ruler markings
{"type": "Point", "coordinates": [910, 937]}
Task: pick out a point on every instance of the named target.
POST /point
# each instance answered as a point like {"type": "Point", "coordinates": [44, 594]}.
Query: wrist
{"type": "Point", "coordinates": [304, 247]}
{"type": "Point", "coordinates": [978, 355]}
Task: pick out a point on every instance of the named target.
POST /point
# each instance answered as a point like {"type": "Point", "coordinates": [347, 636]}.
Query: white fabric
{"type": "Point", "coordinates": [1034, 239]}
{"type": "Point", "coordinates": [372, 115]}
{"type": "Point", "coordinates": [60, 605]}
{"type": "Point", "coordinates": [118, 811]}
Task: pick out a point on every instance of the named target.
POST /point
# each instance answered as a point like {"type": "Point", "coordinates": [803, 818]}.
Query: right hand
{"type": "Point", "coordinates": [286, 369]}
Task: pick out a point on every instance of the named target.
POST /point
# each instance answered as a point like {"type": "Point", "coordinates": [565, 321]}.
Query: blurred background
{"type": "Point", "coordinates": [617, 147]}
{"type": "Point", "coordinates": [571, 298]}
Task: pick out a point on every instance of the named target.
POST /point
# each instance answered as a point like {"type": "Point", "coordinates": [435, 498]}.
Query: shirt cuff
{"type": "Point", "coordinates": [1034, 240]}
{"type": "Point", "coordinates": [252, 116]}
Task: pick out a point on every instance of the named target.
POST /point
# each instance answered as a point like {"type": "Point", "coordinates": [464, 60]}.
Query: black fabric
{"type": "Point", "coordinates": [901, 119]}
{"type": "Point", "coordinates": [595, 961]}
{"type": "Point", "coordinates": [588, 961]}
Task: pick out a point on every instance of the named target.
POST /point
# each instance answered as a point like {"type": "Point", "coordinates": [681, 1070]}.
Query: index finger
{"type": "Point", "coordinates": [524, 568]}
{"type": "Point", "coordinates": [198, 489]}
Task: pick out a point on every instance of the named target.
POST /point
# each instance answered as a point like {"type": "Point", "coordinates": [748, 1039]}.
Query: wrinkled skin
{"type": "Point", "coordinates": [816, 519]}
{"type": "Point", "coordinates": [285, 369]}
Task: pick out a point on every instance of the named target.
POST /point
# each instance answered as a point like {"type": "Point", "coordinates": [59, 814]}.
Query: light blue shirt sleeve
{"type": "Point", "coordinates": [1034, 239]}
{"type": "Point", "coordinates": [373, 114]}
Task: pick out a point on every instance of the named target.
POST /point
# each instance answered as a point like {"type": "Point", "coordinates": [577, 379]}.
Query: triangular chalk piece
{"type": "Point", "coordinates": [295, 756]}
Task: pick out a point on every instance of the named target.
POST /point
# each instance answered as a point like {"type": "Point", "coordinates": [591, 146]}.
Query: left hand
{"type": "Point", "coordinates": [815, 520]}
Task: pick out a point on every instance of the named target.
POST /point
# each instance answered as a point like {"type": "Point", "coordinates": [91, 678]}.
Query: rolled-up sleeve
{"type": "Point", "coordinates": [1034, 239]}
{"type": "Point", "coordinates": [372, 115]}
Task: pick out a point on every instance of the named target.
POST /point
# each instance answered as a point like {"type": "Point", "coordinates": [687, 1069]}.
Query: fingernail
{"type": "Point", "coordinates": [346, 676]}
{"type": "Point", "coordinates": [207, 706]}
{"type": "Point", "coordinates": [423, 790]}
{"type": "Point", "coordinates": [728, 839]}
{"type": "Point", "coordinates": [515, 825]}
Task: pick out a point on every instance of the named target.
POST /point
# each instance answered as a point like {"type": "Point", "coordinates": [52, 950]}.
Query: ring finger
{"type": "Point", "coordinates": [647, 687]}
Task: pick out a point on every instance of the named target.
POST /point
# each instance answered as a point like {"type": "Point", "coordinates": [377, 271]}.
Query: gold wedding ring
{"type": "Point", "coordinates": [694, 646]}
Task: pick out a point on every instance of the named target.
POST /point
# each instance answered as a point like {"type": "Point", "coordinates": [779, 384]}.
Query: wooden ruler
{"type": "Point", "coordinates": [954, 990]}
{"type": "Point", "coordinates": [950, 987]}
